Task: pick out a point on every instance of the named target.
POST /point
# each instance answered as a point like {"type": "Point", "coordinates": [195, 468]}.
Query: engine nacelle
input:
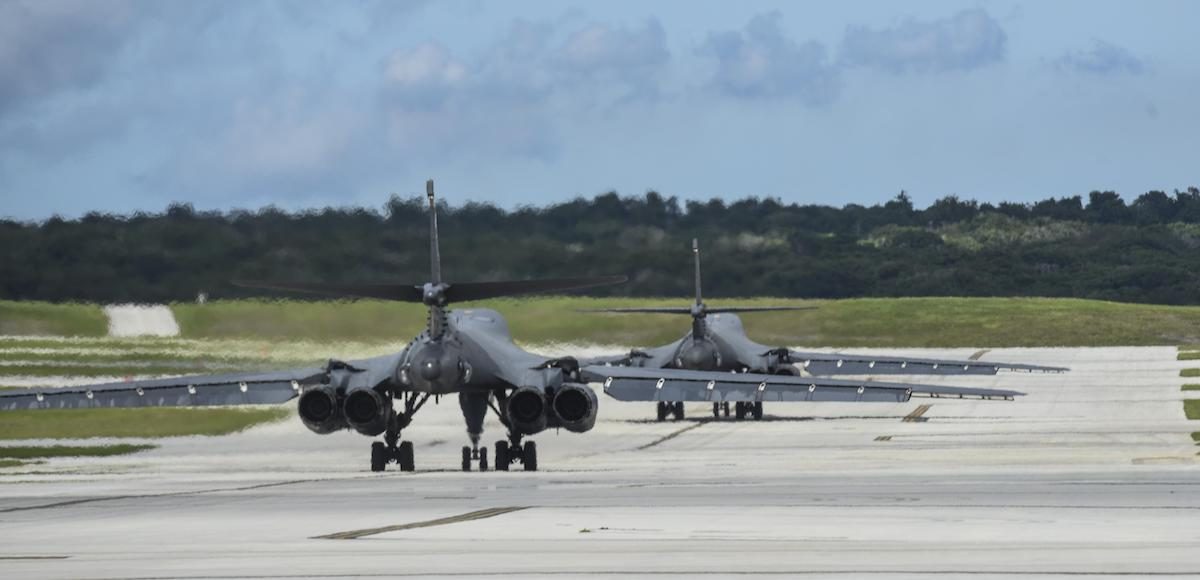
{"type": "Point", "coordinates": [367, 411]}
{"type": "Point", "coordinates": [575, 405]}
{"type": "Point", "coordinates": [526, 410]}
{"type": "Point", "coordinates": [320, 411]}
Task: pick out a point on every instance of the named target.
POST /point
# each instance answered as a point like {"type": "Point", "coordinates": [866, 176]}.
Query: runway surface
{"type": "Point", "coordinates": [1093, 472]}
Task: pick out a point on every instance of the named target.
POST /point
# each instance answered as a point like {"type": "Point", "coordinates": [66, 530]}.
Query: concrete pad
{"type": "Point", "coordinates": [141, 320]}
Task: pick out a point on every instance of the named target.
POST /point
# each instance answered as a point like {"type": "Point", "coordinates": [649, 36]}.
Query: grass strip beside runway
{"type": "Point", "coordinates": [43, 318]}
{"type": "Point", "coordinates": [39, 452]}
{"type": "Point", "coordinates": [1189, 373]}
{"type": "Point", "coordinates": [865, 322]}
{"type": "Point", "coordinates": [1191, 408]}
{"type": "Point", "coordinates": [1191, 387]}
{"type": "Point", "coordinates": [140, 423]}
{"type": "Point", "coordinates": [1189, 355]}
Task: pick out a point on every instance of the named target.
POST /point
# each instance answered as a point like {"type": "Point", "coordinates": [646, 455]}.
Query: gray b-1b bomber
{"type": "Point", "coordinates": [469, 353]}
{"type": "Point", "coordinates": [718, 342]}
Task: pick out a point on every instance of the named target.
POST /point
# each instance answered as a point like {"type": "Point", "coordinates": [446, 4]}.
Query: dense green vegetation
{"type": "Point", "coordinates": [1098, 247]}
{"type": "Point", "coordinates": [39, 452]}
{"type": "Point", "coordinates": [146, 422]}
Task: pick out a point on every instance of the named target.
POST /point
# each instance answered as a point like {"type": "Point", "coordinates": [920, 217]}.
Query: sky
{"type": "Point", "coordinates": [126, 105]}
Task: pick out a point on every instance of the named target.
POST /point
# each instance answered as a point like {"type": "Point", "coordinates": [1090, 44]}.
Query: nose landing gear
{"type": "Point", "coordinates": [472, 453]}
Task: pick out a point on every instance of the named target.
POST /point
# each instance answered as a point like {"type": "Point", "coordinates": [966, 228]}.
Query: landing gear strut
{"type": "Point", "coordinates": [391, 449]}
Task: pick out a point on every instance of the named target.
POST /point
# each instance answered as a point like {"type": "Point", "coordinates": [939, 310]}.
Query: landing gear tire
{"type": "Point", "coordinates": [677, 410]}
{"type": "Point", "coordinates": [466, 462]}
{"type": "Point", "coordinates": [529, 456]}
{"type": "Point", "coordinates": [716, 410]}
{"type": "Point", "coordinates": [725, 407]}
{"type": "Point", "coordinates": [739, 410]}
{"type": "Point", "coordinates": [404, 456]}
{"type": "Point", "coordinates": [662, 411]}
{"type": "Point", "coordinates": [483, 464]}
{"type": "Point", "coordinates": [502, 457]}
{"type": "Point", "coordinates": [379, 456]}
{"type": "Point", "coordinates": [756, 411]}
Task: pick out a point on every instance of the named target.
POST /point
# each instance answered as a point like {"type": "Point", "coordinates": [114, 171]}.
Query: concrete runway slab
{"type": "Point", "coordinates": [1092, 473]}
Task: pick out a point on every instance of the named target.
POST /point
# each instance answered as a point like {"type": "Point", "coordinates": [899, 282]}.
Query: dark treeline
{"type": "Point", "coordinates": [1098, 246]}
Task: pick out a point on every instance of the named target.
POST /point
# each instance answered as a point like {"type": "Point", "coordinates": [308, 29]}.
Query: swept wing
{"type": "Point", "coordinates": [638, 384]}
{"type": "Point", "coordinates": [825, 363]}
{"type": "Point", "coordinates": [201, 390]}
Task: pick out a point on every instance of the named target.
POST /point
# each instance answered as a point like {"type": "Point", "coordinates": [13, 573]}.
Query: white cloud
{"type": "Point", "coordinates": [760, 61]}
{"type": "Point", "coordinates": [968, 40]}
{"type": "Point", "coordinates": [1103, 58]}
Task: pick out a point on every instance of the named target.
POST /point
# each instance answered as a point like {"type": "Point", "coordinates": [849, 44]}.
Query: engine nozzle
{"type": "Point", "coordinates": [575, 406]}
{"type": "Point", "coordinates": [526, 410]}
{"type": "Point", "coordinates": [319, 411]}
{"type": "Point", "coordinates": [367, 411]}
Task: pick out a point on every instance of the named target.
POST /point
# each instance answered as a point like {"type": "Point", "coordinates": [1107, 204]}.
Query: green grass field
{"type": "Point", "coordinates": [868, 322]}
{"type": "Point", "coordinates": [156, 422]}
{"type": "Point", "coordinates": [42, 318]}
{"type": "Point", "coordinates": [39, 452]}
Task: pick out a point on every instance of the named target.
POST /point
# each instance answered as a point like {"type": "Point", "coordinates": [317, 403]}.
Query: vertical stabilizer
{"type": "Point", "coordinates": [435, 257]}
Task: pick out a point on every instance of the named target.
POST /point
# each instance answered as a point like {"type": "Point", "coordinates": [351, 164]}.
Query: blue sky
{"type": "Point", "coordinates": [115, 105]}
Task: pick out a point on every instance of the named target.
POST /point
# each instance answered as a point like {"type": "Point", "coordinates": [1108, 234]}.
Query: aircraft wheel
{"type": "Point", "coordinates": [662, 411]}
{"type": "Point", "coordinates": [530, 456]}
{"type": "Point", "coordinates": [739, 410]}
{"type": "Point", "coordinates": [483, 466]}
{"type": "Point", "coordinates": [716, 410]}
{"type": "Point", "coordinates": [757, 411]}
{"type": "Point", "coordinates": [678, 410]}
{"type": "Point", "coordinates": [379, 456]}
{"type": "Point", "coordinates": [404, 456]}
{"type": "Point", "coordinates": [502, 458]}
{"type": "Point", "coordinates": [466, 464]}
{"type": "Point", "coordinates": [725, 408]}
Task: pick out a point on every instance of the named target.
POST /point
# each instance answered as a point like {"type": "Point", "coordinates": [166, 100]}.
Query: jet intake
{"type": "Point", "coordinates": [526, 410]}
{"type": "Point", "coordinates": [367, 411]}
{"type": "Point", "coordinates": [576, 407]}
{"type": "Point", "coordinates": [319, 411]}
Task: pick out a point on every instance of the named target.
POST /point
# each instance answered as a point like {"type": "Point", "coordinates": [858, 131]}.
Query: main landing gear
{"type": "Point", "coordinates": [667, 408]}
{"type": "Point", "coordinates": [741, 410]}
{"type": "Point", "coordinates": [508, 452]}
{"type": "Point", "coordinates": [512, 450]}
{"type": "Point", "coordinates": [391, 449]}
